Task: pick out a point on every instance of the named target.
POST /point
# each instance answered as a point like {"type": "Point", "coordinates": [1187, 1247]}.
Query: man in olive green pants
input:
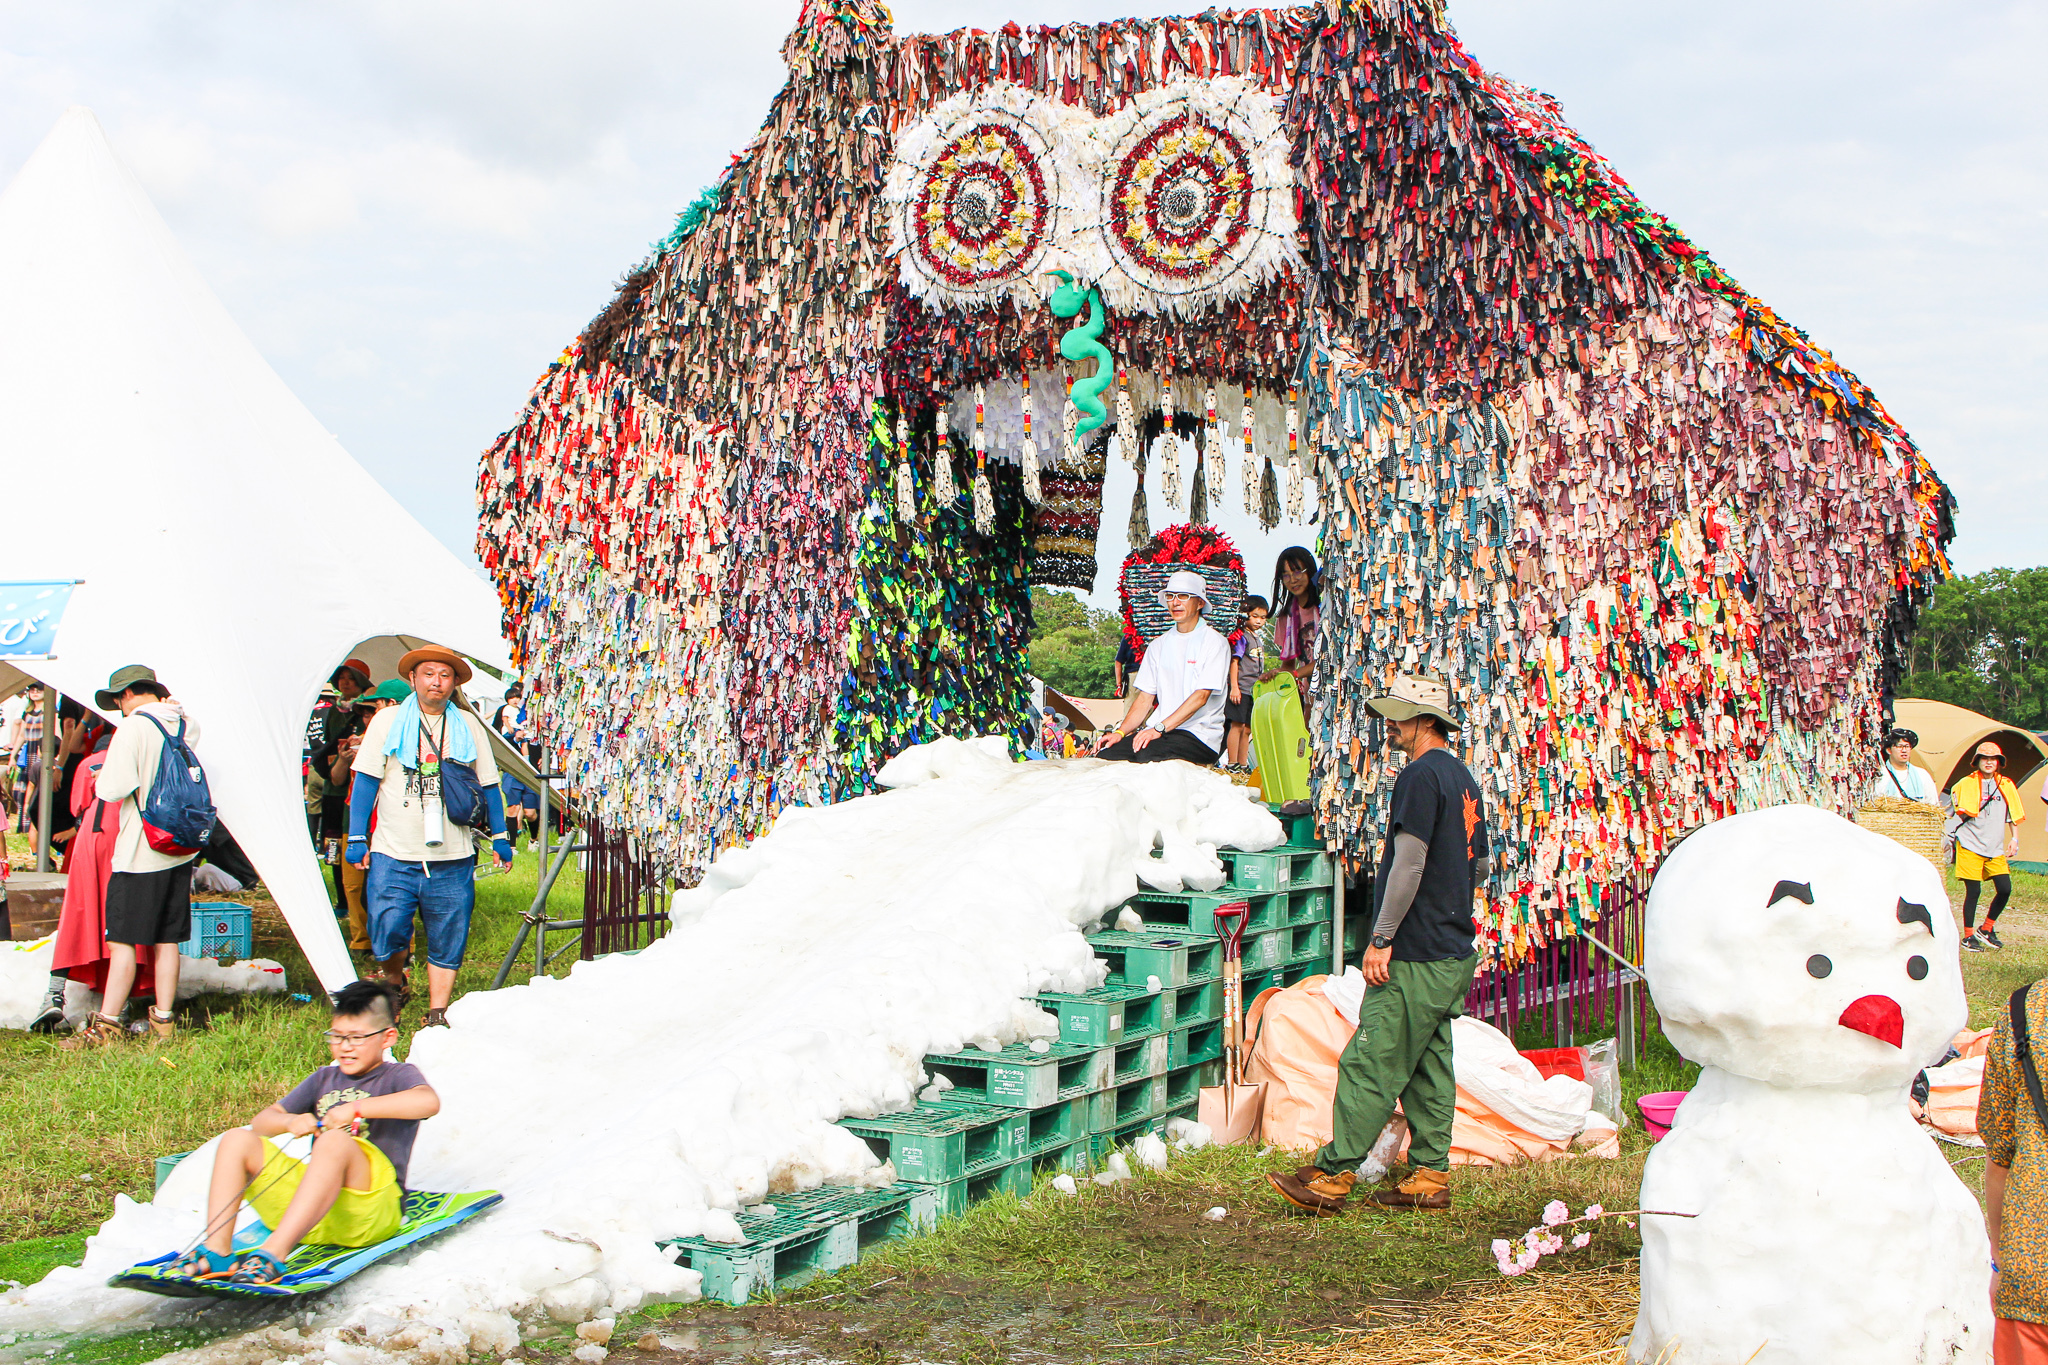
{"type": "Point", "coordinates": [1404, 1035]}
{"type": "Point", "coordinates": [1417, 970]}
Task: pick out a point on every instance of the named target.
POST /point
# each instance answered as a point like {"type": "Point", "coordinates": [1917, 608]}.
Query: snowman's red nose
{"type": "Point", "coordinates": [1877, 1015]}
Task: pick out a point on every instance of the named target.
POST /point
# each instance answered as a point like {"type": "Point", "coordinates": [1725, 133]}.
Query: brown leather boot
{"type": "Point", "coordinates": [1315, 1190]}
{"type": "Point", "coordinates": [1423, 1189]}
{"type": "Point", "coordinates": [96, 1031]}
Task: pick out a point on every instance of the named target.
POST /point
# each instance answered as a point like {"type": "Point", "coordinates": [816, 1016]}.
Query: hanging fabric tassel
{"type": "Point", "coordinates": [1251, 462]}
{"type": "Point", "coordinates": [984, 502]}
{"type": "Point", "coordinates": [1198, 495]}
{"type": "Point", "coordinates": [1126, 426]}
{"type": "Point", "coordinates": [1169, 450]}
{"type": "Point", "coordinates": [906, 486]}
{"type": "Point", "coordinates": [1269, 498]}
{"type": "Point", "coordinates": [1027, 454]}
{"type": "Point", "coordinates": [1212, 444]}
{"type": "Point", "coordinates": [1141, 521]}
{"type": "Point", "coordinates": [1293, 459]}
{"type": "Point", "coordinates": [944, 491]}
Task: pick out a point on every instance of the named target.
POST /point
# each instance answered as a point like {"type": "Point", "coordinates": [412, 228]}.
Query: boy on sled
{"type": "Point", "coordinates": [350, 1190]}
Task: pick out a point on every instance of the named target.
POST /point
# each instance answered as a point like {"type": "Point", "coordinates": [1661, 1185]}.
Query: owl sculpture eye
{"type": "Point", "coordinates": [1818, 966]}
{"type": "Point", "coordinates": [1182, 197]}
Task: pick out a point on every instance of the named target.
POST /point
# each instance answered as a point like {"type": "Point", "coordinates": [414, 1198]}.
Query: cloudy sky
{"type": "Point", "coordinates": [413, 205]}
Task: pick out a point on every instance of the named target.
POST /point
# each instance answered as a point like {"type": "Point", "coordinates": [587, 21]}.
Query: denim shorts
{"type": "Point", "coordinates": [517, 793]}
{"type": "Point", "coordinates": [442, 893]}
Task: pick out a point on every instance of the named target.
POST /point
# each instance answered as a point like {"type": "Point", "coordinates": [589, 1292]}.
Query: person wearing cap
{"type": "Point", "coordinates": [1176, 705]}
{"type": "Point", "coordinates": [1898, 776]}
{"type": "Point", "coordinates": [338, 769]}
{"type": "Point", "coordinates": [1418, 968]}
{"type": "Point", "coordinates": [149, 894]}
{"type": "Point", "coordinates": [334, 716]}
{"type": "Point", "coordinates": [418, 861]}
{"type": "Point", "coordinates": [1984, 830]}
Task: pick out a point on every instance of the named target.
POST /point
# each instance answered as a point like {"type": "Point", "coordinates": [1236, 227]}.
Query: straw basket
{"type": "Point", "coordinates": [1912, 823]}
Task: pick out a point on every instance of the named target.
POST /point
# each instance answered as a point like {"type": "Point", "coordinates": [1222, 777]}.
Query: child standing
{"type": "Point", "coordinates": [349, 1192]}
{"type": "Point", "coordinates": [1246, 668]}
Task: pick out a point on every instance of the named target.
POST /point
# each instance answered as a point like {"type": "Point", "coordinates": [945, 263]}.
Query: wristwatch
{"type": "Point", "coordinates": [1381, 941]}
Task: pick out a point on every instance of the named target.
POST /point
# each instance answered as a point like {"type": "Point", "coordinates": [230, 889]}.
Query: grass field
{"type": "Point", "coordinates": [1131, 1272]}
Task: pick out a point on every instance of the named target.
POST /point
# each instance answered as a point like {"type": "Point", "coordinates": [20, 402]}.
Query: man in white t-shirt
{"type": "Point", "coordinates": [1897, 776]}
{"type": "Point", "coordinates": [419, 861]}
{"type": "Point", "coordinates": [1181, 684]}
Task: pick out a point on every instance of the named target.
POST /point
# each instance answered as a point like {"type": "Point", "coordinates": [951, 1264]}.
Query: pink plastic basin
{"type": "Point", "coordinates": [1658, 1111]}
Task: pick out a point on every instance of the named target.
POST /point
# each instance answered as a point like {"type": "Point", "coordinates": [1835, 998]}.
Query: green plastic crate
{"type": "Point", "coordinates": [1137, 1058]}
{"type": "Point", "coordinates": [808, 1235]}
{"type": "Point", "coordinates": [1195, 911]}
{"type": "Point", "coordinates": [942, 1141]}
{"type": "Point", "coordinates": [1185, 1084]}
{"type": "Point", "coordinates": [1308, 943]}
{"type": "Point", "coordinates": [1301, 829]}
{"type": "Point", "coordinates": [1197, 1004]}
{"type": "Point", "coordinates": [1056, 1126]}
{"type": "Point", "coordinates": [1176, 959]}
{"type": "Point", "coordinates": [1124, 1104]}
{"type": "Point", "coordinates": [1018, 1078]}
{"type": "Point", "coordinates": [1102, 1018]}
{"type": "Point", "coordinates": [1189, 1046]}
{"type": "Point", "coordinates": [1354, 937]}
{"type": "Point", "coordinates": [1275, 869]}
{"type": "Point", "coordinates": [1266, 950]}
{"type": "Point", "coordinates": [930, 1203]}
{"type": "Point", "coordinates": [166, 1164]}
{"type": "Point", "coordinates": [1307, 904]}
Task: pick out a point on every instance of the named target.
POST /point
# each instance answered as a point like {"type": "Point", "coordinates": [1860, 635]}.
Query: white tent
{"type": "Point", "coordinates": [121, 372]}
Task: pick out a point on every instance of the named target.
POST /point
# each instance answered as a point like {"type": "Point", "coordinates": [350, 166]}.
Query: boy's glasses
{"type": "Point", "coordinates": [351, 1039]}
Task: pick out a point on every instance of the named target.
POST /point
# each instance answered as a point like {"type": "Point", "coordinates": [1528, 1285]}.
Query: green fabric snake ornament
{"type": "Point", "coordinates": [1083, 340]}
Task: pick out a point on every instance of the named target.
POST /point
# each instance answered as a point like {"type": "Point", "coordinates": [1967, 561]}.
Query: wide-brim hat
{"type": "Point", "coordinates": [1185, 581]}
{"type": "Point", "coordinates": [1410, 697]}
{"type": "Point", "coordinates": [434, 654]}
{"type": "Point", "coordinates": [355, 666]}
{"type": "Point", "coordinates": [108, 698]}
{"type": "Point", "coordinates": [1996, 752]}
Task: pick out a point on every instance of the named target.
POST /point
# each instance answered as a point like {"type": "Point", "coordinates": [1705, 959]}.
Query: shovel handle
{"type": "Point", "coordinates": [1230, 927]}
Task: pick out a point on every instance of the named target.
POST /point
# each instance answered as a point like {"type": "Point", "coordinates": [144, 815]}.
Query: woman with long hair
{"type": "Point", "coordinates": [1297, 601]}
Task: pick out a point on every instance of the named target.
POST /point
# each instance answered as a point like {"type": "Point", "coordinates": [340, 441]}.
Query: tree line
{"type": "Point", "coordinates": [1982, 642]}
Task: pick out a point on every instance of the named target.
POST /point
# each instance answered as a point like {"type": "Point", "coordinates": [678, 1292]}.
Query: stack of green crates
{"type": "Point", "coordinates": [1132, 1054]}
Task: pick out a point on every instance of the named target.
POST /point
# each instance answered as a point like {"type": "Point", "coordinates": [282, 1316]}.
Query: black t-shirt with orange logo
{"type": "Point", "coordinates": [1436, 800]}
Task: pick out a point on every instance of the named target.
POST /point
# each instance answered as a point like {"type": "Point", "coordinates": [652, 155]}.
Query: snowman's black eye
{"type": "Point", "coordinates": [1916, 967]}
{"type": "Point", "coordinates": [1818, 966]}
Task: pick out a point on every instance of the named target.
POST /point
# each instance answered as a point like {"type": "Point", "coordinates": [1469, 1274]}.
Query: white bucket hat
{"type": "Point", "coordinates": [1185, 581]}
{"type": "Point", "coordinates": [1410, 697]}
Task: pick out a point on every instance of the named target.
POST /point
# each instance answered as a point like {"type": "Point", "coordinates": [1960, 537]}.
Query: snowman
{"type": "Point", "coordinates": [1810, 968]}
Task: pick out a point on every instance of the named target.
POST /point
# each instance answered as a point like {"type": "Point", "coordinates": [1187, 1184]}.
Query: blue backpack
{"type": "Point", "coordinates": [178, 817]}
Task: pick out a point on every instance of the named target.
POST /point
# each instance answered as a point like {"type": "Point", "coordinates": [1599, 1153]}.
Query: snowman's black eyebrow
{"type": "Point", "coordinates": [1910, 913]}
{"type": "Point", "coordinates": [1798, 891]}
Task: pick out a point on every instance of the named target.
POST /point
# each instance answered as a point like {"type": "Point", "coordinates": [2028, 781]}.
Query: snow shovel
{"type": "Point", "coordinates": [1232, 1110]}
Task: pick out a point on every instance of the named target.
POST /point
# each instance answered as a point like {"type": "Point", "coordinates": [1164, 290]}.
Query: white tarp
{"type": "Point", "coordinates": [120, 373]}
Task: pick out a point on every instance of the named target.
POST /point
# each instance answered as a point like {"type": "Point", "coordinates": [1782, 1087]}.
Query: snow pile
{"type": "Point", "coordinates": [648, 1097]}
{"type": "Point", "coordinates": [25, 978]}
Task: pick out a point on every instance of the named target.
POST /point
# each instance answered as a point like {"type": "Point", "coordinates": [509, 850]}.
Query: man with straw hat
{"type": "Point", "coordinates": [1418, 968]}
{"type": "Point", "coordinates": [419, 861]}
{"type": "Point", "coordinates": [1180, 686]}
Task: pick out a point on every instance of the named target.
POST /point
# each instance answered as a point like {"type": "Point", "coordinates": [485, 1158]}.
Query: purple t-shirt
{"type": "Point", "coordinates": [330, 1085]}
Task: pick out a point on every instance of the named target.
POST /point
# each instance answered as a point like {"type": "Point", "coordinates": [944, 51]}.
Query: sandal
{"type": "Point", "coordinates": [202, 1261]}
{"type": "Point", "coordinates": [254, 1266]}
